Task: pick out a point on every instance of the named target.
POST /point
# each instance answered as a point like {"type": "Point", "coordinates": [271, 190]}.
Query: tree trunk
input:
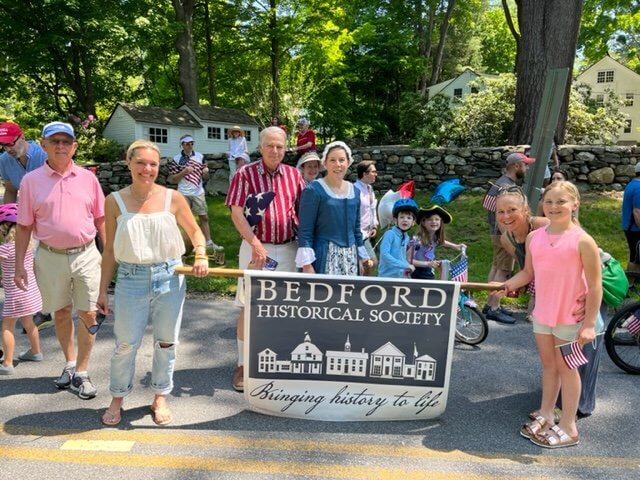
{"type": "Point", "coordinates": [549, 34]}
{"type": "Point", "coordinates": [274, 55]}
{"type": "Point", "coordinates": [424, 43]}
{"type": "Point", "coordinates": [436, 67]}
{"type": "Point", "coordinates": [188, 77]}
{"type": "Point", "coordinates": [211, 74]}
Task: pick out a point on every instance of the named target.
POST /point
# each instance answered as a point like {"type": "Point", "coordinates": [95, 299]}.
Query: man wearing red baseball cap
{"type": "Point", "coordinates": [20, 156]}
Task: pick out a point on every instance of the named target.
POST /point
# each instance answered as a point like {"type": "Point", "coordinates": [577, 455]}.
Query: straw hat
{"type": "Point", "coordinates": [236, 128]}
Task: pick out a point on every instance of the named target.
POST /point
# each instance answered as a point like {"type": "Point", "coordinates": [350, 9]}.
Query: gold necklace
{"type": "Point", "coordinates": [138, 198]}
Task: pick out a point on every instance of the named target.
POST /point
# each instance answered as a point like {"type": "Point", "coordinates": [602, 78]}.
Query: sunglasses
{"type": "Point", "coordinates": [5, 145]}
{"type": "Point", "coordinates": [93, 329]}
{"type": "Point", "coordinates": [60, 141]}
{"type": "Point", "coordinates": [508, 190]}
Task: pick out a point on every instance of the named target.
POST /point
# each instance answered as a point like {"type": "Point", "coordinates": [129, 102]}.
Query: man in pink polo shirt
{"type": "Point", "coordinates": [62, 205]}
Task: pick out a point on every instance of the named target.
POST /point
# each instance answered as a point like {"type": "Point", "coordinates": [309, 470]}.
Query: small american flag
{"type": "Point", "coordinates": [459, 270]}
{"type": "Point", "coordinates": [489, 202]}
{"type": "Point", "coordinates": [573, 355]}
{"type": "Point", "coordinates": [633, 325]}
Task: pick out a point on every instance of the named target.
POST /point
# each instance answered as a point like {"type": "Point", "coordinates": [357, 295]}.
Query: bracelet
{"type": "Point", "coordinates": [201, 257]}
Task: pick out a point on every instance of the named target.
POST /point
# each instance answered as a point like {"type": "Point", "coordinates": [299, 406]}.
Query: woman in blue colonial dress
{"type": "Point", "coordinates": [329, 236]}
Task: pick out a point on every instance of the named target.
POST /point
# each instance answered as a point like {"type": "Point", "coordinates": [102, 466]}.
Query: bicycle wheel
{"type": "Point", "coordinates": [622, 346]}
{"type": "Point", "coordinates": [471, 326]}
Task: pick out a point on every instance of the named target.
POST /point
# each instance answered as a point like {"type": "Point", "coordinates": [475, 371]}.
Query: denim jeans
{"type": "Point", "coordinates": [146, 292]}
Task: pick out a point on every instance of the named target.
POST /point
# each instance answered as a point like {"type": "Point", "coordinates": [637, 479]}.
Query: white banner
{"type": "Point", "coordinates": [348, 348]}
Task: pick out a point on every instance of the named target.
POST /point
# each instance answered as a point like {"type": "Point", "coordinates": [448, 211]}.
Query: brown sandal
{"type": "Point", "coordinates": [555, 437]}
{"type": "Point", "coordinates": [534, 427]}
{"type": "Point", "coordinates": [161, 416]}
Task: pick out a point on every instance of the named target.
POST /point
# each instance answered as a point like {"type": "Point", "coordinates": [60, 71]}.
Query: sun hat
{"type": "Point", "coordinates": [434, 210]}
{"type": "Point", "coordinates": [52, 128]}
{"type": "Point", "coordinates": [311, 156]}
{"type": "Point", "coordinates": [9, 132]}
{"type": "Point", "coordinates": [236, 128]}
{"type": "Point", "coordinates": [519, 157]}
{"type": "Point", "coordinates": [332, 145]}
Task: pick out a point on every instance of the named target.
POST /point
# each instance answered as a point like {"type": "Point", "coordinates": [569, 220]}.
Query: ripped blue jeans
{"type": "Point", "coordinates": [146, 292]}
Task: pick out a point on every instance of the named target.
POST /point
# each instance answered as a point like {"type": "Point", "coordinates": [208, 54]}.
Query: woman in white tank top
{"type": "Point", "coordinates": [145, 245]}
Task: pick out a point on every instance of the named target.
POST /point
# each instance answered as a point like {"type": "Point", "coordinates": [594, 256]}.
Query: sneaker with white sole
{"type": "Point", "coordinates": [83, 385]}
{"type": "Point", "coordinates": [64, 380]}
{"type": "Point", "coordinates": [7, 369]}
{"type": "Point", "coordinates": [29, 356]}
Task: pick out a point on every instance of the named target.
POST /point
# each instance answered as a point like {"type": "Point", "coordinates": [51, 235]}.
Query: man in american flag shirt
{"type": "Point", "coordinates": [502, 263]}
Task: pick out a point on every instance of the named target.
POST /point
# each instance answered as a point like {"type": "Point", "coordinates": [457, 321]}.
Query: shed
{"type": "Point", "coordinates": [207, 125]}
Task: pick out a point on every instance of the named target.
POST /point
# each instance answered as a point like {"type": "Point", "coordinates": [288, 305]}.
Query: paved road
{"type": "Point", "coordinates": [45, 433]}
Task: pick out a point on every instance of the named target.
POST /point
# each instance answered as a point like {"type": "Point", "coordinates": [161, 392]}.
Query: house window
{"type": "Point", "coordinates": [247, 135]}
{"type": "Point", "coordinates": [457, 92]}
{"type": "Point", "coordinates": [600, 99]}
{"type": "Point", "coordinates": [474, 90]}
{"type": "Point", "coordinates": [397, 371]}
{"type": "Point", "coordinates": [158, 135]}
{"type": "Point", "coordinates": [605, 76]}
{"type": "Point", "coordinates": [627, 127]}
{"type": "Point", "coordinates": [213, 133]}
{"type": "Point", "coordinates": [628, 101]}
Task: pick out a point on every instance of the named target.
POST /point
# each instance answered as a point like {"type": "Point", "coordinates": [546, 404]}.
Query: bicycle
{"type": "Point", "coordinates": [471, 325]}
{"type": "Point", "coordinates": [622, 336]}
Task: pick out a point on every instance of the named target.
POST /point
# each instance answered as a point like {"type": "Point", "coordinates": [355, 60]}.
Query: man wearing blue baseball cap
{"type": "Point", "coordinates": [62, 205]}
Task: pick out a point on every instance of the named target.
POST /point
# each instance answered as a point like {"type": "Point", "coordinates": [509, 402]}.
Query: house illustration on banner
{"type": "Point", "coordinates": [385, 362]}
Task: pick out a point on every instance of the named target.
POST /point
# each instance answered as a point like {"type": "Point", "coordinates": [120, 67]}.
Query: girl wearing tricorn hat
{"type": "Point", "coordinates": [422, 249]}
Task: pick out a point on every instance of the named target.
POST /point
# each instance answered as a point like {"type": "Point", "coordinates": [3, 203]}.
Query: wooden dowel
{"type": "Point", "coordinates": [235, 272]}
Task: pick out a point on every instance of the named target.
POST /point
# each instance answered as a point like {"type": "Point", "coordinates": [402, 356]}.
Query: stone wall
{"type": "Point", "coordinates": [590, 167]}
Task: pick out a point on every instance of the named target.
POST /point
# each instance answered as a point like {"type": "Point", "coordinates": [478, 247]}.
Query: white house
{"type": "Point", "coordinates": [458, 87]}
{"type": "Point", "coordinates": [207, 125]}
{"type": "Point", "coordinates": [609, 75]}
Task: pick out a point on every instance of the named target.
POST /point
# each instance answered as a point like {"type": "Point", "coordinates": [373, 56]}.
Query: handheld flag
{"type": "Point", "coordinates": [256, 205]}
{"type": "Point", "coordinates": [633, 325]}
{"type": "Point", "coordinates": [460, 270]}
{"type": "Point", "coordinates": [407, 189]}
{"type": "Point", "coordinates": [573, 355]}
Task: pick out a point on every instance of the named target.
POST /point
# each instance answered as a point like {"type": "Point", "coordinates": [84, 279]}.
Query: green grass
{"type": "Point", "coordinates": [599, 216]}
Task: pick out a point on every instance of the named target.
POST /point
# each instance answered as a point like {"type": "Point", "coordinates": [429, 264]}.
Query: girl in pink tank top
{"type": "Point", "coordinates": [565, 262]}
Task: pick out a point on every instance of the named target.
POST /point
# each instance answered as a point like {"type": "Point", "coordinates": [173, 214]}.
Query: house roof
{"type": "Point", "coordinates": [606, 57]}
{"type": "Point", "coordinates": [218, 114]}
{"type": "Point", "coordinates": [388, 349]}
{"type": "Point", "coordinates": [164, 116]}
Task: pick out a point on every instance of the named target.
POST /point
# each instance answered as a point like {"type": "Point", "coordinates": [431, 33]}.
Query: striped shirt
{"type": "Point", "coordinates": [190, 184]}
{"type": "Point", "coordinates": [280, 222]}
{"type": "Point", "coordinates": [17, 302]}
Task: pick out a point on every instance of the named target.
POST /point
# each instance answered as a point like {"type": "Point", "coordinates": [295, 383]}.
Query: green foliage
{"type": "Point", "coordinates": [425, 120]}
{"type": "Point", "coordinates": [92, 147]}
{"type": "Point", "coordinates": [590, 122]}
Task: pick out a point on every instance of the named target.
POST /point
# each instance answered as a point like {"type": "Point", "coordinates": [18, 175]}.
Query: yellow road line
{"type": "Point", "coordinates": [98, 445]}
{"type": "Point", "coordinates": [234, 465]}
{"type": "Point", "coordinates": [219, 440]}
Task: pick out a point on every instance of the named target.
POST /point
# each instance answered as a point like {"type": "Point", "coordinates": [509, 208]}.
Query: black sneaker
{"type": "Point", "coordinates": [83, 385]}
{"type": "Point", "coordinates": [499, 316]}
{"type": "Point", "coordinates": [64, 380]}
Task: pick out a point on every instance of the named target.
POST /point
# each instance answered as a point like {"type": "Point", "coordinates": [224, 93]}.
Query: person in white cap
{"type": "Point", "coordinates": [238, 151]}
{"type": "Point", "coordinates": [62, 204]}
{"type": "Point", "coordinates": [187, 170]}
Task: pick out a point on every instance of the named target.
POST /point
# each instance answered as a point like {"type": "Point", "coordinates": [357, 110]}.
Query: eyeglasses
{"type": "Point", "coordinates": [187, 143]}
{"type": "Point", "coordinates": [5, 145]}
{"type": "Point", "coordinates": [93, 329]}
{"type": "Point", "coordinates": [372, 172]}
{"type": "Point", "coordinates": [60, 141]}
